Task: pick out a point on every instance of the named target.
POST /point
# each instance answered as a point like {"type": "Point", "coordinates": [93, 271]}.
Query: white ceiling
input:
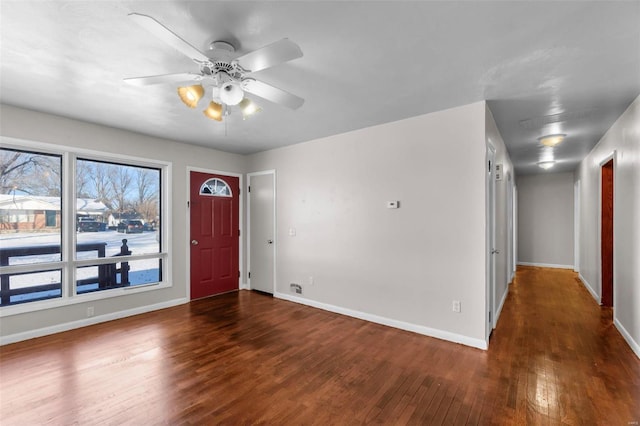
{"type": "Point", "coordinates": [364, 63]}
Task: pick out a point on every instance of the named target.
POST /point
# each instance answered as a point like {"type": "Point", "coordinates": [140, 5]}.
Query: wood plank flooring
{"type": "Point", "coordinates": [245, 358]}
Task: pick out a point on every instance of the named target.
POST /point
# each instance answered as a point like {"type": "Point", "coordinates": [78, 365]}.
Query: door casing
{"type": "Point", "coordinates": [250, 243]}
{"type": "Point", "coordinates": [607, 232]}
{"type": "Point", "coordinates": [490, 209]}
{"type": "Point", "coordinates": [187, 234]}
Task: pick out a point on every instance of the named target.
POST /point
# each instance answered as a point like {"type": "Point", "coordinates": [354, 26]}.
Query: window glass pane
{"type": "Point", "coordinates": [30, 207]}
{"type": "Point", "coordinates": [116, 202]}
{"type": "Point", "coordinates": [215, 187]}
{"type": "Point", "coordinates": [29, 287]}
{"type": "Point", "coordinates": [118, 274]}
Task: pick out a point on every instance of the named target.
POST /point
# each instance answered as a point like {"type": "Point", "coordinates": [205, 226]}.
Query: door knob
{"type": "Point", "coordinates": [194, 242]}
{"type": "Point", "coordinates": [269, 241]}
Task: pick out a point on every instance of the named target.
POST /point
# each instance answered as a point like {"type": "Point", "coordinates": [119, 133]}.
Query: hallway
{"type": "Point", "coordinates": [248, 358]}
{"type": "Point", "coordinates": [566, 359]}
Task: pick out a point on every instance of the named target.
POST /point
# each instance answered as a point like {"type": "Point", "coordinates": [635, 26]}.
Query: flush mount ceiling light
{"type": "Point", "coordinates": [219, 70]}
{"type": "Point", "coordinates": [552, 140]}
{"type": "Point", "coordinates": [546, 164]}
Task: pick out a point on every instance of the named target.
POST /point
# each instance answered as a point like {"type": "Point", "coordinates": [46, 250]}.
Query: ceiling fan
{"type": "Point", "coordinates": [225, 77]}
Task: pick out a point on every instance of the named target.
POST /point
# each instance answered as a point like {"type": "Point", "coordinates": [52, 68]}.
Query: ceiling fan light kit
{"type": "Point", "coordinates": [191, 95]}
{"type": "Point", "coordinates": [248, 108]}
{"type": "Point", "coordinates": [214, 111]}
{"type": "Point", "coordinates": [227, 77]}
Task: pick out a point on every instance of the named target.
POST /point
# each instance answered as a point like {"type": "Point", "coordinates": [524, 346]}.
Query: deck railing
{"type": "Point", "coordinates": [107, 278]}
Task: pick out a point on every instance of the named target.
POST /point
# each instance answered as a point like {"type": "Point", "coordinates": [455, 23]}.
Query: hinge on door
{"type": "Point", "coordinates": [249, 188]}
{"type": "Point", "coordinates": [238, 274]}
{"type": "Point", "coordinates": [238, 232]}
{"type": "Point", "coordinates": [489, 316]}
{"type": "Point", "coordinates": [187, 204]}
{"type": "Point", "coordinates": [249, 274]}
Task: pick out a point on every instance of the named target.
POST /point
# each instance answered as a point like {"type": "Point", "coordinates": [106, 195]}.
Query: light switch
{"type": "Point", "coordinates": [393, 204]}
{"type": "Point", "coordinates": [292, 232]}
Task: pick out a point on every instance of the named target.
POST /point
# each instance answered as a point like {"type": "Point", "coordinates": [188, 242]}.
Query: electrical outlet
{"type": "Point", "coordinates": [456, 306]}
{"type": "Point", "coordinates": [296, 288]}
{"type": "Point", "coordinates": [90, 311]}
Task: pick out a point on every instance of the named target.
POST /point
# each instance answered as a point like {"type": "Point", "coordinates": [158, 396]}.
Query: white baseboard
{"type": "Point", "coordinates": [499, 310]}
{"type": "Point", "coordinates": [635, 347]}
{"type": "Point", "coordinates": [589, 288]}
{"type": "Point", "coordinates": [31, 334]}
{"type": "Point", "coordinates": [546, 265]}
{"type": "Point", "coordinates": [420, 329]}
{"type": "Point", "coordinates": [244, 286]}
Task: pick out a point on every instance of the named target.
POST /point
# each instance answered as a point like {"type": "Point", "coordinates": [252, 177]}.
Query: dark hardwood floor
{"type": "Point", "coordinates": [245, 358]}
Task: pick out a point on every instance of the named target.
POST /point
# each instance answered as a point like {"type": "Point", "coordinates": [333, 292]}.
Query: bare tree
{"type": "Point", "coordinates": [98, 177]}
{"type": "Point", "coordinates": [83, 179]}
{"type": "Point", "coordinates": [29, 173]}
{"type": "Point", "coordinates": [120, 179]}
{"type": "Point", "coordinates": [147, 186]}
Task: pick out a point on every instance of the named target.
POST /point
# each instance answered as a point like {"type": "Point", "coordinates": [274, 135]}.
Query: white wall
{"type": "Point", "coordinates": [503, 275]}
{"type": "Point", "coordinates": [623, 138]}
{"type": "Point", "coordinates": [545, 220]}
{"type": "Point", "coordinates": [403, 267]}
{"type": "Point", "coordinates": [33, 126]}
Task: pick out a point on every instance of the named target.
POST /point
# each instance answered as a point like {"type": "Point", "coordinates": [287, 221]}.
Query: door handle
{"type": "Point", "coordinates": [494, 251]}
{"type": "Point", "coordinates": [269, 241]}
{"type": "Point", "coordinates": [194, 242]}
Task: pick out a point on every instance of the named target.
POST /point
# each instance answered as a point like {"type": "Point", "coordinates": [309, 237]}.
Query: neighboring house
{"type": "Point", "coordinates": [114, 219]}
{"type": "Point", "coordinates": [35, 213]}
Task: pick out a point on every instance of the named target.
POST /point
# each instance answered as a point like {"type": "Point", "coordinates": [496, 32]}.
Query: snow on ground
{"type": "Point", "coordinates": [141, 271]}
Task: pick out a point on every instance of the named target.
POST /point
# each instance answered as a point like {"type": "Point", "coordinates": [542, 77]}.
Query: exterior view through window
{"type": "Point", "coordinates": [114, 216]}
{"type": "Point", "coordinates": [30, 226]}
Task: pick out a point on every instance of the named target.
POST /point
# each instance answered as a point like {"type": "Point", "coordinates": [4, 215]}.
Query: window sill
{"type": "Point", "coordinates": [24, 308]}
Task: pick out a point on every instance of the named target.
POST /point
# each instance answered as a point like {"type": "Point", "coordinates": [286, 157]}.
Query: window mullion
{"type": "Point", "coordinates": [69, 219]}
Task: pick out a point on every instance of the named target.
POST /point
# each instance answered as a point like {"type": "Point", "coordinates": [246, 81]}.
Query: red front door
{"type": "Point", "coordinates": [214, 210]}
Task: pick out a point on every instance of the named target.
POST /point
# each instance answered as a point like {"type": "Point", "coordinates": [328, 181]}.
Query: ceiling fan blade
{"type": "Point", "coordinates": [273, 94]}
{"type": "Point", "coordinates": [164, 78]}
{"type": "Point", "coordinates": [168, 36]}
{"type": "Point", "coordinates": [268, 56]}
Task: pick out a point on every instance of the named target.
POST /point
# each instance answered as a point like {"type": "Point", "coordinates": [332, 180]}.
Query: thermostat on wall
{"type": "Point", "coordinates": [393, 204]}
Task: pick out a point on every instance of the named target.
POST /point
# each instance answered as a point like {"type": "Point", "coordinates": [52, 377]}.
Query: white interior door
{"type": "Point", "coordinates": [262, 244]}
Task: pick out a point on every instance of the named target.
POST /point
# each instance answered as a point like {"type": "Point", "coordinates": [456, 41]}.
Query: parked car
{"type": "Point", "coordinates": [130, 226]}
{"type": "Point", "coordinates": [89, 226]}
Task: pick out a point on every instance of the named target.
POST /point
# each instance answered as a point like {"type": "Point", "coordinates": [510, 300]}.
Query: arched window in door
{"type": "Point", "coordinates": [215, 188]}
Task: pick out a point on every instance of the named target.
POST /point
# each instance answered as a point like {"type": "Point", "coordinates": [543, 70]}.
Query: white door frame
{"type": "Point", "coordinates": [275, 239]}
{"type": "Point", "coordinates": [188, 222]}
{"type": "Point", "coordinates": [510, 229]}
{"type": "Point", "coordinates": [490, 209]}
{"type": "Point", "coordinates": [576, 226]}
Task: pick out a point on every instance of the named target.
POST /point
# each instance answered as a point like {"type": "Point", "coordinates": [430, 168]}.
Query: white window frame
{"type": "Point", "coordinates": [68, 264]}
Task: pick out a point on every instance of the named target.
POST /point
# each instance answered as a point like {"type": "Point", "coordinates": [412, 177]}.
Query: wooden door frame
{"type": "Point", "coordinates": [605, 160]}
{"type": "Point", "coordinates": [271, 172]}
{"type": "Point", "coordinates": [188, 223]}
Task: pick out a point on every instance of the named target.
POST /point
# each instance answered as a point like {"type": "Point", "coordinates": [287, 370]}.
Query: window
{"type": "Point", "coordinates": [215, 187]}
{"type": "Point", "coordinates": [98, 231]}
{"type": "Point", "coordinates": [30, 184]}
